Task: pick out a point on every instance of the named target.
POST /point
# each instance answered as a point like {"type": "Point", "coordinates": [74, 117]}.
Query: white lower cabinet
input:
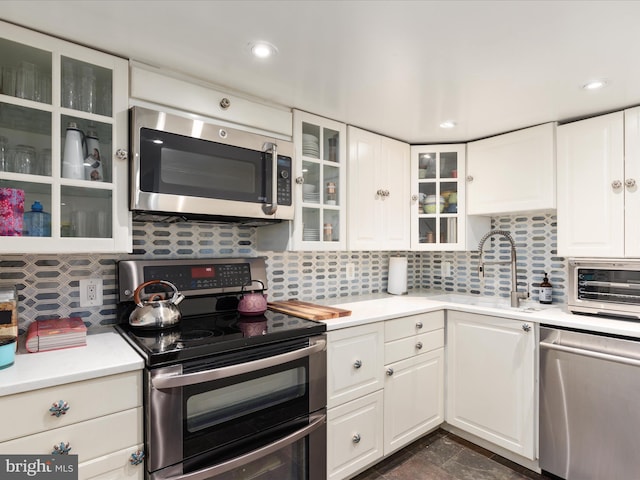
{"type": "Point", "coordinates": [355, 432]}
{"type": "Point", "coordinates": [370, 413]}
{"type": "Point", "coordinates": [491, 372]}
{"type": "Point", "coordinates": [101, 423]}
{"type": "Point", "coordinates": [414, 383]}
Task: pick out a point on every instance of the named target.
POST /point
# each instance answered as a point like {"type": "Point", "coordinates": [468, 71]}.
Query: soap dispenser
{"type": "Point", "coordinates": [37, 223]}
{"type": "Point", "coordinates": [546, 290]}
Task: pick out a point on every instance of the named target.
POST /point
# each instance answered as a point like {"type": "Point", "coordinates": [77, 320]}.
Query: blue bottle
{"type": "Point", "coordinates": [36, 222]}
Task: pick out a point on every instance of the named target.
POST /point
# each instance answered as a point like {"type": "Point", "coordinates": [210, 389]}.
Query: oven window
{"type": "Point", "coordinates": [287, 463]}
{"type": "Point", "coordinates": [214, 407]}
{"type": "Point", "coordinates": [609, 285]}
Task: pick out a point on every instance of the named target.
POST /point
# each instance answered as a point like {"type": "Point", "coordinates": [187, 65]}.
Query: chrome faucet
{"type": "Point", "coordinates": [515, 294]}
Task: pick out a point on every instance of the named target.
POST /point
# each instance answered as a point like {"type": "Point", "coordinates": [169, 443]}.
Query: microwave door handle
{"type": "Point", "coordinates": [270, 209]}
{"type": "Point", "coordinates": [316, 422]}
{"type": "Point", "coordinates": [176, 381]}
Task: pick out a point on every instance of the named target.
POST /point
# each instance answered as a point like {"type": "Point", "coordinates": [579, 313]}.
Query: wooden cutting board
{"type": "Point", "coordinates": [310, 311]}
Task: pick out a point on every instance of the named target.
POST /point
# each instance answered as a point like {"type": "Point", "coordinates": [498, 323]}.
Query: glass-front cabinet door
{"type": "Point", "coordinates": [63, 141]}
{"type": "Point", "coordinates": [320, 222]}
{"type": "Point", "coordinates": [438, 221]}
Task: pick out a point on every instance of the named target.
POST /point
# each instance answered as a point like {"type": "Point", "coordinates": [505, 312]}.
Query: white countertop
{"type": "Point", "coordinates": [106, 353]}
{"type": "Point", "coordinates": [374, 308]}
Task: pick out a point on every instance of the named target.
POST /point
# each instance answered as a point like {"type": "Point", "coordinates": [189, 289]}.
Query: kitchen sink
{"type": "Point", "coordinates": [501, 303]}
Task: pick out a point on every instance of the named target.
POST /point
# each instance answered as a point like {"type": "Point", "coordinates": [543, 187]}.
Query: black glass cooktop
{"type": "Point", "coordinates": [204, 335]}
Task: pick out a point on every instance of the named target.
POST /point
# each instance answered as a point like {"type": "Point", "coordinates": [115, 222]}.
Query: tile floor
{"type": "Point", "coordinates": [444, 456]}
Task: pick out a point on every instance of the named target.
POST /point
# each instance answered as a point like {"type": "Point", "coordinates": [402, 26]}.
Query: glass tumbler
{"type": "Point", "coordinates": [25, 160]}
{"type": "Point", "coordinates": [87, 94]}
{"type": "Point", "coordinates": [69, 86]}
{"type": "Point", "coordinates": [26, 81]}
{"type": "Point", "coordinates": [5, 165]}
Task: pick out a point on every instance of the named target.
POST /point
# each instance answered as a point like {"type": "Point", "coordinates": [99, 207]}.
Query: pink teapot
{"type": "Point", "coordinates": [253, 303]}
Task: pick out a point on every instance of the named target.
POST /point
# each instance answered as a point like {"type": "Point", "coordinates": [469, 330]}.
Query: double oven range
{"type": "Point", "coordinates": [226, 396]}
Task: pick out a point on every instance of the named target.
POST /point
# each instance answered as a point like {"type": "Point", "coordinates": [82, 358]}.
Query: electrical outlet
{"type": "Point", "coordinates": [91, 292]}
{"type": "Point", "coordinates": [446, 269]}
{"type": "Point", "coordinates": [351, 271]}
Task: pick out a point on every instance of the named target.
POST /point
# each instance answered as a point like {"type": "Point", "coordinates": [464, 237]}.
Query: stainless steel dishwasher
{"type": "Point", "coordinates": [589, 398]}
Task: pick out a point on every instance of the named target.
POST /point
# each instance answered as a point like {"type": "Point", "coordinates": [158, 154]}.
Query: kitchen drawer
{"type": "Point", "coordinates": [89, 440]}
{"type": "Point", "coordinates": [412, 346]}
{"type": "Point", "coordinates": [355, 433]}
{"type": "Point", "coordinates": [113, 466]}
{"type": "Point", "coordinates": [86, 400]}
{"type": "Point", "coordinates": [355, 362]}
{"type": "Point", "coordinates": [412, 325]}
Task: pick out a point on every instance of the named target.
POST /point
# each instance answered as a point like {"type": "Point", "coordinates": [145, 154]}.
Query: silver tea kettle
{"type": "Point", "coordinates": [156, 312]}
{"type": "Point", "coordinates": [252, 303]}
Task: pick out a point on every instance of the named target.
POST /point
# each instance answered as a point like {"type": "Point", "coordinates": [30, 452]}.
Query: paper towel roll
{"type": "Point", "coordinates": [397, 276]}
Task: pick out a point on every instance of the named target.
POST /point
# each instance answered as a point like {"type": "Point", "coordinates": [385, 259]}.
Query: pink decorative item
{"type": "Point", "coordinates": [11, 212]}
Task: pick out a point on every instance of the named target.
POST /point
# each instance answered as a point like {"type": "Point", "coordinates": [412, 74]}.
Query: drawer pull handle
{"type": "Point", "coordinates": [59, 408]}
{"type": "Point", "coordinates": [137, 458]}
{"type": "Point", "coordinates": [62, 449]}
{"type": "Point", "coordinates": [389, 371]}
{"type": "Point", "coordinates": [356, 438]}
{"type": "Point", "coordinates": [419, 345]}
{"type": "Point", "coordinates": [418, 325]}
{"type": "Point", "coordinates": [357, 364]}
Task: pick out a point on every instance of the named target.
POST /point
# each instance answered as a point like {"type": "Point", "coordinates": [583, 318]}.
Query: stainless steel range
{"type": "Point", "coordinates": [227, 396]}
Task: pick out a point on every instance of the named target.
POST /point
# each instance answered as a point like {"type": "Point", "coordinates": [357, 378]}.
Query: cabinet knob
{"type": "Point", "coordinates": [419, 345]}
{"type": "Point", "coordinates": [389, 371]}
{"type": "Point", "coordinates": [61, 449]}
{"type": "Point", "coordinates": [418, 325]}
{"type": "Point", "coordinates": [59, 408]}
{"type": "Point", "coordinates": [414, 198]}
{"type": "Point", "coordinates": [630, 182]}
{"type": "Point", "coordinates": [616, 184]}
{"type": "Point", "coordinates": [469, 178]}
{"type": "Point", "coordinates": [137, 458]}
{"type": "Point", "coordinates": [122, 154]}
{"type": "Point", "coordinates": [380, 193]}
{"type": "Point", "coordinates": [299, 180]}
{"type": "Point", "coordinates": [357, 364]}
{"type": "Point", "coordinates": [356, 438]}
{"type": "Point", "coordinates": [526, 327]}
{"type": "Point", "coordinates": [225, 103]}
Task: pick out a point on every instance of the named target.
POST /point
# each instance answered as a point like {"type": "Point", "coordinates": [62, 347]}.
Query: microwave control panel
{"type": "Point", "coordinates": [284, 180]}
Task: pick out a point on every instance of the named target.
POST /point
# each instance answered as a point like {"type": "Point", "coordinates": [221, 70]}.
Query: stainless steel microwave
{"type": "Point", "coordinates": [189, 169]}
{"type": "Point", "coordinates": [605, 287]}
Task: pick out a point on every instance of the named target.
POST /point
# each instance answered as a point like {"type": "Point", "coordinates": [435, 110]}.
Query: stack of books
{"type": "Point", "coordinates": [56, 333]}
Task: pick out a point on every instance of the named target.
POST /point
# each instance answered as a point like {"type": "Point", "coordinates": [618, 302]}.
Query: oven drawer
{"type": "Point", "coordinates": [89, 439]}
{"type": "Point", "coordinates": [355, 433]}
{"type": "Point", "coordinates": [412, 325]}
{"type": "Point", "coordinates": [413, 346]}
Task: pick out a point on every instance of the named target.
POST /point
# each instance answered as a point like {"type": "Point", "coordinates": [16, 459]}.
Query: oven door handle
{"type": "Point", "coordinates": [175, 381]}
{"type": "Point", "coordinates": [271, 208]}
{"type": "Point", "coordinates": [206, 473]}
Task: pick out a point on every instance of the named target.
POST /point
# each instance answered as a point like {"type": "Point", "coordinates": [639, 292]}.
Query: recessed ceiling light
{"type": "Point", "coordinates": [263, 49]}
{"type": "Point", "coordinates": [448, 124]}
{"type": "Point", "coordinates": [594, 85]}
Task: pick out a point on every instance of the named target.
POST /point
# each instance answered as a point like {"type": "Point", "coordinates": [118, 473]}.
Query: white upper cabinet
{"type": "Point", "coordinates": [597, 194]}
{"type": "Point", "coordinates": [438, 200]}
{"type": "Point", "coordinates": [63, 142]}
{"type": "Point", "coordinates": [512, 173]}
{"type": "Point", "coordinates": [378, 192]}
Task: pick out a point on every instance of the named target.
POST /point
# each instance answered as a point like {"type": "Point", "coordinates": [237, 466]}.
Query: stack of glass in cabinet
{"type": "Point", "coordinates": [438, 197]}
{"type": "Point", "coordinates": [320, 191]}
{"type": "Point", "coordinates": [55, 145]}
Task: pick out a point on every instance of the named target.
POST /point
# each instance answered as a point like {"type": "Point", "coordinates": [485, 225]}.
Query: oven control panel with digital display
{"type": "Point", "coordinates": [200, 277]}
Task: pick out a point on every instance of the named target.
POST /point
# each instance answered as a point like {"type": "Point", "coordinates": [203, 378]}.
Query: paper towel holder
{"type": "Point", "coordinates": [397, 282]}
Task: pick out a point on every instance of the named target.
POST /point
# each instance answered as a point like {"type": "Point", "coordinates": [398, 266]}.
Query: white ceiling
{"type": "Point", "coordinates": [398, 68]}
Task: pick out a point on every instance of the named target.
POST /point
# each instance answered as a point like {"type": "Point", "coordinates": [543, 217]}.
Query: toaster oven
{"type": "Point", "coordinates": [605, 287]}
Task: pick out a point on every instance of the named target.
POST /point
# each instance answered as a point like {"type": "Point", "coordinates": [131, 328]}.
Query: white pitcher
{"type": "Point", "coordinates": [73, 157]}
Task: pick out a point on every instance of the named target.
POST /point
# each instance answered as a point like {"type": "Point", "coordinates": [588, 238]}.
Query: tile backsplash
{"type": "Point", "coordinates": [48, 284]}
